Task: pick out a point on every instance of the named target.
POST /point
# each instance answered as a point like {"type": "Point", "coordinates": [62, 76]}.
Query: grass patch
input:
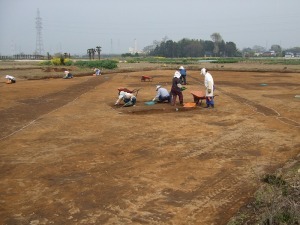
{"type": "Point", "coordinates": [276, 202]}
{"type": "Point", "coordinates": [106, 64]}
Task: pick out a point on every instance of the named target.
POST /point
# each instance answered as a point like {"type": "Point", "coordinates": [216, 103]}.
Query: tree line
{"type": "Point", "coordinates": [216, 47]}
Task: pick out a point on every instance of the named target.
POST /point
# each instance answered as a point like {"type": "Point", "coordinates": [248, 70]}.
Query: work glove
{"type": "Point", "coordinates": [209, 91]}
{"type": "Point", "coordinates": [153, 99]}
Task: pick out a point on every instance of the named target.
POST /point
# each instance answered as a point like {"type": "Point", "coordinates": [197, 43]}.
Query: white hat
{"type": "Point", "coordinates": [177, 74]}
{"type": "Point", "coordinates": [181, 68]}
{"type": "Point", "coordinates": [203, 71]}
{"type": "Point", "coordinates": [158, 86]}
{"type": "Point", "coordinates": [7, 76]}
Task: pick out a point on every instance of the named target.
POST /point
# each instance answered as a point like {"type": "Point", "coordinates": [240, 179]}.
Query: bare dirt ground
{"type": "Point", "coordinates": [69, 156]}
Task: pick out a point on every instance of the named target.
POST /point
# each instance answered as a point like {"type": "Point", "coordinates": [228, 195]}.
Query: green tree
{"type": "Point", "coordinates": [277, 49]}
{"type": "Point", "coordinates": [258, 49]}
{"type": "Point", "coordinates": [222, 48]}
{"type": "Point", "coordinates": [208, 47]}
{"type": "Point", "coordinates": [230, 49]}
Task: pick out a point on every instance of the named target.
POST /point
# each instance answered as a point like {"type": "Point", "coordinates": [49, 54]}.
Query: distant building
{"type": "Point", "coordinates": [269, 54]}
{"type": "Point", "coordinates": [257, 54]}
{"type": "Point", "coordinates": [289, 55]}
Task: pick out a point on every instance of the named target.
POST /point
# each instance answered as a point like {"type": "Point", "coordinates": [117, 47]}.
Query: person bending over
{"type": "Point", "coordinates": [162, 94]}
{"type": "Point", "coordinates": [128, 98]}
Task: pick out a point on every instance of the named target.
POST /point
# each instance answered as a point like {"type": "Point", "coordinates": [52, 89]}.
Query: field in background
{"type": "Point", "coordinates": [68, 155]}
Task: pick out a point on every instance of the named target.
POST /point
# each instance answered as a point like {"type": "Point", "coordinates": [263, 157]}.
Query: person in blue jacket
{"type": "Point", "coordinates": [182, 71]}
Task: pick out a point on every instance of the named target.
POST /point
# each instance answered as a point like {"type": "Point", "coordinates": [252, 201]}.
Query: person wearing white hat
{"type": "Point", "coordinates": [10, 79]}
{"type": "Point", "coordinates": [162, 94]}
{"type": "Point", "coordinates": [182, 71]}
{"type": "Point", "coordinates": [176, 89]}
{"type": "Point", "coordinates": [209, 88]}
{"type": "Point", "coordinates": [68, 75]}
{"type": "Point", "coordinates": [128, 98]}
{"type": "Point", "coordinates": [97, 72]}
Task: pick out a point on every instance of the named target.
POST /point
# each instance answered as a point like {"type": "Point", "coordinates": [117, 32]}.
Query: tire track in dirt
{"type": "Point", "coordinates": [20, 116]}
{"type": "Point", "coordinates": [201, 204]}
{"type": "Point", "coordinates": [217, 197]}
{"type": "Point", "coordinates": [266, 111]}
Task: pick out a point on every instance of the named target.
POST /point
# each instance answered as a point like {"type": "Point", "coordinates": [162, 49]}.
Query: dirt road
{"type": "Point", "coordinates": [69, 156]}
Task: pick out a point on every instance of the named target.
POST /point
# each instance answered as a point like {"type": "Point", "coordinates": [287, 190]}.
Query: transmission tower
{"type": "Point", "coordinates": [39, 47]}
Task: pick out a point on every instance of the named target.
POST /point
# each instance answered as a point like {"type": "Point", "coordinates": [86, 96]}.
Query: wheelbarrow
{"type": "Point", "coordinates": [136, 91]}
{"type": "Point", "coordinates": [198, 96]}
{"type": "Point", "coordinates": [146, 78]}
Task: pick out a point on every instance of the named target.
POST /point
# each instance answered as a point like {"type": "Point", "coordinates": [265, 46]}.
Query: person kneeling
{"type": "Point", "coordinates": [10, 79]}
{"type": "Point", "coordinates": [128, 98]}
{"type": "Point", "coordinates": [97, 72]}
{"type": "Point", "coordinates": [162, 95]}
{"type": "Point", "coordinates": [68, 75]}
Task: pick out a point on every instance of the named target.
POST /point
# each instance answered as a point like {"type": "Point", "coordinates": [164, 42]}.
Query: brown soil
{"type": "Point", "coordinates": [69, 156]}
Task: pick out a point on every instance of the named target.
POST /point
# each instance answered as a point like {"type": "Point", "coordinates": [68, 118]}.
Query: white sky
{"type": "Point", "coordinates": [73, 26]}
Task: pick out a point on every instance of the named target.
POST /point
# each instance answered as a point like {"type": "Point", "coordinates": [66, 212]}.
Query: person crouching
{"type": "Point", "coordinates": [10, 79]}
{"type": "Point", "coordinates": [68, 75]}
{"type": "Point", "coordinates": [162, 95]}
{"type": "Point", "coordinates": [128, 98]}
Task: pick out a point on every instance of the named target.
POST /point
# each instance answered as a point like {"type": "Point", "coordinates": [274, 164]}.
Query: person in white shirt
{"type": "Point", "coordinates": [97, 72]}
{"type": "Point", "coordinates": [209, 88]}
{"type": "Point", "coordinates": [162, 95]}
{"type": "Point", "coordinates": [68, 75]}
{"type": "Point", "coordinates": [10, 79]}
{"type": "Point", "coordinates": [128, 98]}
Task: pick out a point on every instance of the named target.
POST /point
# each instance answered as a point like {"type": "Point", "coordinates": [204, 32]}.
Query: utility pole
{"type": "Point", "coordinates": [98, 50]}
{"type": "Point", "coordinates": [39, 48]}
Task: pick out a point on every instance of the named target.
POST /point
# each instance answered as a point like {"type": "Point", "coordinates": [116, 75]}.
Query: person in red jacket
{"type": "Point", "coordinates": [176, 89]}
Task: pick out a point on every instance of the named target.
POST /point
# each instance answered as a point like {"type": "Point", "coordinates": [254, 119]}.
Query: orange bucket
{"type": "Point", "coordinates": [189, 104]}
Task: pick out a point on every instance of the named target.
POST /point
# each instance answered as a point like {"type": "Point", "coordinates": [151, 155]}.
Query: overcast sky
{"type": "Point", "coordinates": [73, 26]}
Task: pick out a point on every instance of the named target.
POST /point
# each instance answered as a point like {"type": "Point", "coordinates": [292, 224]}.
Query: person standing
{"type": "Point", "coordinates": [176, 89]}
{"type": "Point", "coordinates": [162, 94]}
{"type": "Point", "coordinates": [209, 88]}
{"type": "Point", "coordinates": [183, 74]}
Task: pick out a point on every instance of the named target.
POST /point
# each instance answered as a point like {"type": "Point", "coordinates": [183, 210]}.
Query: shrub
{"type": "Point", "coordinates": [106, 64]}
{"type": "Point", "coordinates": [226, 60]}
{"type": "Point", "coordinates": [68, 62]}
{"type": "Point", "coordinates": [46, 63]}
{"type": "Point", "coordinates": [276, 202]}
{"type": "Point", "coordinates": [56, 61]}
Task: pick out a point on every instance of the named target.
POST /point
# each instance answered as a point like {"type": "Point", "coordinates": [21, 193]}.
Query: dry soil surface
{"type": "Point", "coordinates": [69, 156]}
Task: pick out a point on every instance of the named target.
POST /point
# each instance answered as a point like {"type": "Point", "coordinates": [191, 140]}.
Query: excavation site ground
{"type": "Point", "coordinates": [68, 155]}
